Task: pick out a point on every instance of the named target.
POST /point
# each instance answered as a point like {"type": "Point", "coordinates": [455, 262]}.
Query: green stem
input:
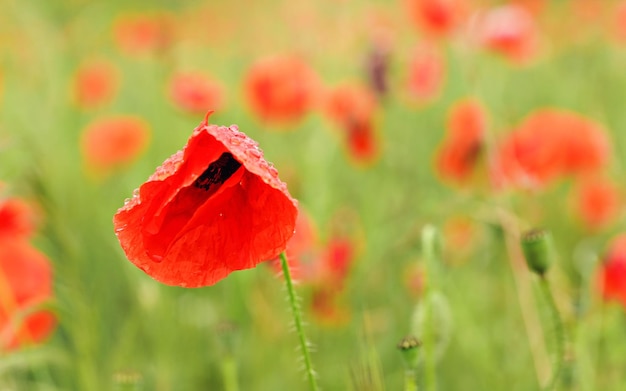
{"type": "Point", "coordinates": [410, 381]}
{"type": "Point", "coordinates": [297, 319]}
{"type": "Point", "coordinates": [559, 331]}
{"type": "Point", "coordinates": [430, 249]}
{"type": "Point", "coordinates": [229, 374]}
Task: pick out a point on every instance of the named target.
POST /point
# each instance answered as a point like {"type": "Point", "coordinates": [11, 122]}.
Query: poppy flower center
{"type": "Point", "coordinates": [217, 173]}
{"type": "Point", "coordinates": [179, 213]}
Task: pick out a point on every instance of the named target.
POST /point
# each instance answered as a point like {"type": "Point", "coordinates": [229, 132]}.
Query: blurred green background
{"type": "Point", "coordinates": [114, 321]}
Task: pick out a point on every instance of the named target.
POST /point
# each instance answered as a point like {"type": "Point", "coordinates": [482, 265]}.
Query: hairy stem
{"type": "Point", "coordinates": [297, 319]}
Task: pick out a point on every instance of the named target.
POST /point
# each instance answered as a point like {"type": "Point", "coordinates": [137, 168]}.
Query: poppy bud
{"type": "Point", "coordinates": [536, 245]}
{"type": "Point", "coordinates": [408, 346]}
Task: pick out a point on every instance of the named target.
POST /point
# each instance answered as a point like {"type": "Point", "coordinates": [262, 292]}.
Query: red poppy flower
{"type": "Point", "coordinates": [551, 143]}
{"type": "Point", "coordinates": [138, 34]}
{"type": "Point", "coordinates": [436, 17]}
{"type": "Point", "coordinates": [333, 270]}
{"type": "Point", "coordinates": [212, 208]}
{"type": "Point", "coordinates": [350, 103]}
{"type": "Point", "coordinates": [426, 73]}
{"type": "Point", "coordinates": [465, 131]}
{"type": "Point", "coordinates": [352, 108]}
{"type": "Point", "coordinates": [111, 142]}
{"type": "Point", "coordinates": [509, 30]}
{"type": "Point", "coordinates": [25, 282]}
{"type": "Point", "coordinates": [597, 202]}
{"type": "Point", "coordinates": [196, 93]}
{"type": "Point", "coordinates": [337, 260]}
{"type": "Point", "coordinates": [612, 274]}
{"type": "Point", "coordinates": [620, 22]}
{"type": "Point", "coordinates": [281, 89]}
{"type": "Point", "coordinates": [327, 310]}
{"type": "Point", "coordinates": [362, 142]}
{"type": "Point", "coordinates": [95, 84]}
{"type": "Point", "coordinates": [301, 249]}
{"type": "Point", "coordinates": [17, 219]}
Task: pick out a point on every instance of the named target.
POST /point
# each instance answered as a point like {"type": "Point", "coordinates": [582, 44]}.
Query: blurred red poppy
{"type": "Point", "coordinates": [108, 143]}
{"type": "Point", "coordinates": [281, 89]}
{"type": "Point", "coordinates": [196, 93]}
{"type": "Point", "coordinates": [25, 283]}
{"type": "Point", "coordinates": [437, 18]}
{"type": "Point", "coordinates": [301, 249]}
{"type": "Point", "coordinates": [212, 208]}
{"type": "Point", "coordinates": [509, 30]}
{"type": "Point", "coordinates": [138, 34]}
{"type": "Point", "coordinates": [612, 274]}
{"type": "Point", "coordinates": [17, 219]}
{"type": "Point", "coordinates": [339, 254]}
{"type": "Point", "coordinates": [620, 21]}
{"type": "Point", "coordinates": [352, 107]}
{"type": "Point", "coordinates": [327, 310]}
{"type": "Point", "coordinates": [463, 143]}
{"type": "Point", "coordinates": [350, 103]}
{"type": "Point", "coordinates": [426, 73]}
{"type": "Point", "coordinates": [598, 201]}
{"type": "Point", "coordinates": [550, 143]}
{"type": "Point", "coordinates": [95, 84]}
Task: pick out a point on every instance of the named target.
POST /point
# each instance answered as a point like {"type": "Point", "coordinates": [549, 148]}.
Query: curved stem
{"type": "Point", "coordinates": [560, 335]}
{"type": "Point", "coordinates": [297, 319]}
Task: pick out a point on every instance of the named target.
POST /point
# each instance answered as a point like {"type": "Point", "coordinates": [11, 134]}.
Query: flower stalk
{"type": "Point", "coordinates": [559, 347]}
{"type": "Point", "coordinates": [297, 319]}
{"type": "Point", "coordinates": [229, 373]}
{"type": "Point", "coordinates": [431, 248]}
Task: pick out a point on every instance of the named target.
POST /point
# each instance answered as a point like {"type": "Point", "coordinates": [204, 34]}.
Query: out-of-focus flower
{"type": "Point", "coordinates": [461, 148]}
{"type": "Point", "coordinates": [509, 30]}
{"type": "Point", "coordinates": [352, 107]}
{"type": "Point", "coordinates": [337, 260]}
{"type": "Point", "coordinates": [462, 235]}
{"type": "Point", "coordinates": [215, 207]}
{"type": "Point", "coordinates": [414, 279]}
{"type": "Point", "coordinates": [95, 84]}
{"type": "Point", "coordinates": [350, 103]}
{"type": "Point", "coordinates": [437, 18]}
{"type": "Point", "coordinates": [426, 73]}
{"type": "Point", "coordinates": [138, 34]}
{"type": "Point", "coordinates": [327, 309]}
{"type": "Point", "coordinates": [620, 22]}
{"type": "Point", "coordinates": [17, 219]}
{"type": "Point", "coordinates": [25, 283]}
{"type": "Point", "coordinates": [535, 7]}
{"type": "Point", "coordinates": [302, 249]}
{"type": "Point", "coordinates": [550, 143]}
{"type": "Point", "coordinates": [612, 274]}
{"type": "Point", "coordinates": [111, 142]}
{"type": "Point", "coordinates": [281, 89]}
{"type": "Point", "coordinates": [598, 202]}
{"type": "Point", "coordinates": [196, 93]}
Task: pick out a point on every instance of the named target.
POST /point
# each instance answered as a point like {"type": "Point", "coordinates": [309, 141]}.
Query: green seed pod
{"type": "Point", "coordinates": [537, 248]}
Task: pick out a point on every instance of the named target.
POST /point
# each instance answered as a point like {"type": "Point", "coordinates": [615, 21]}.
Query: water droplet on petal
{"type": "Point", "coordinates": [253, 153]}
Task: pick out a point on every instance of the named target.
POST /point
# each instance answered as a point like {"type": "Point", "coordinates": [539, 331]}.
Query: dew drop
{"type": "Point", "coordinates": [253, 153]}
